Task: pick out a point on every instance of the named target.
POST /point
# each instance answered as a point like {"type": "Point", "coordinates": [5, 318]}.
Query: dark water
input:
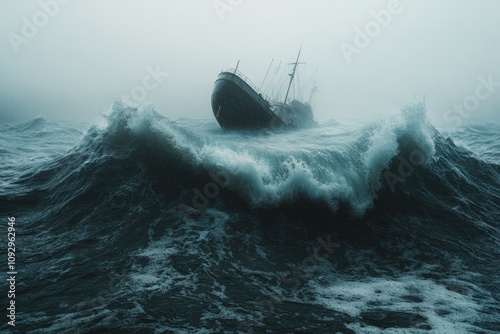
{"type": "Point", "coordinates": [144, 225]}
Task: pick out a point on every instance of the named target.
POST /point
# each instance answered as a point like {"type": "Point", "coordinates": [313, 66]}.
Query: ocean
{"type": "Point", "coordinates": [135, 223]}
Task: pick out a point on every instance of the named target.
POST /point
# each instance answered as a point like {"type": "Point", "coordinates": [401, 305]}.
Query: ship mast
{"type": "Point", "coordinates": [315, 87]}
{"type": "Point", "coordinates": [292, 75]}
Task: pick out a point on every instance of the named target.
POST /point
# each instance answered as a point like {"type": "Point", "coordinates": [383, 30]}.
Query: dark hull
{"type": "Point", "coordinates": [236, 105]}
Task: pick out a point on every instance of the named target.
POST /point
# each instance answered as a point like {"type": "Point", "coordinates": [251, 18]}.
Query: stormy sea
{"type": "Point", "coordinates": [135, 223]}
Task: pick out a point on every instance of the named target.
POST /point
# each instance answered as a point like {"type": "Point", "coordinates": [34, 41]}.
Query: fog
{"type": "Point", "coordinates": [80, 55]}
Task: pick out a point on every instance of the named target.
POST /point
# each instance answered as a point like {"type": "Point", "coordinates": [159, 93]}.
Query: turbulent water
{"type": "Point", "coordinates": [138, 224]}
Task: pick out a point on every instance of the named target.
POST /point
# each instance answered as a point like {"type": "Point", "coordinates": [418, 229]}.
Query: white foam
{"type": "Point", "coordinates": [321, 163]}
{"type": "Point", "coordinates": [154, 270]}
{"type": "Point", "coordinates": [446, 311]}
{"type": "Point", "coordinates": [329, 168]}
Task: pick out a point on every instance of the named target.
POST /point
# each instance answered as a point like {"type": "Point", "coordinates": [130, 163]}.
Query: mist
{"type": "Point", "coordinates": [371, 57]}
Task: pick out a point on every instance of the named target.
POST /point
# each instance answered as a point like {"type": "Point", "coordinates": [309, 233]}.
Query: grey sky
{"type": "Point", "coordinates": [91, 51]}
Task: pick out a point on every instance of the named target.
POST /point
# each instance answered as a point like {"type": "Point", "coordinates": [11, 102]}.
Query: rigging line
{"type": "Point", "coordinates": [272, 83]}
{"type": "Point", "coordinates": [299, 88]}
{"type": "Point", "coordinates": [260, 88]}
{"type": "Point", "coordinates": [275, 69]}
{"type": "Point", "coordinates": [292, 75]}
{"type": "Point", "coordinates": [308, 81]}
{"type": "Point", "coordinates": [303, 86]}
{"type": "Point", "coordinates": [280, 85]}
{"type": "Point", "coordinates": [315, 85]}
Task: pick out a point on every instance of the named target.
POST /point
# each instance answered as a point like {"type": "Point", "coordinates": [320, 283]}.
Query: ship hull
{"type": "Point", "coordinates": [237, 106]}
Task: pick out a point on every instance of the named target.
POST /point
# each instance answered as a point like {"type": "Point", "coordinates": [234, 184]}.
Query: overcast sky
{"type": "Point", "coordinates": [85, 53]}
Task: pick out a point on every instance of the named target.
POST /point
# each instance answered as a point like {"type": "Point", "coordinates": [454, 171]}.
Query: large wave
{"type": "Point", "coordinates": [324, 165]}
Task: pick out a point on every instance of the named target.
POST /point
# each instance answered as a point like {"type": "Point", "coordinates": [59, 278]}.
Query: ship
{"type": "Point", "coordinates": [238, 104]}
